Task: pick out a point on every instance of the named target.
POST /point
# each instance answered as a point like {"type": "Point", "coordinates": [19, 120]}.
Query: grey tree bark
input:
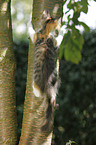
{"type": "Point", "coordinates": [8, 122]}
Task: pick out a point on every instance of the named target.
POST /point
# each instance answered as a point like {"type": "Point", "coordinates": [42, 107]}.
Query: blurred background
{"type": "Point", "coordinates": [75, 118]}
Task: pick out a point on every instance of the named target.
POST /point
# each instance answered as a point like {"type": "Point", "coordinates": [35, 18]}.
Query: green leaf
{"type": "Point", "coordinates": [71, 46]}
{"type": "Point", "coordinates": [84, 4]}
{"type": "Point", "coordinates": [72, 51]}
{"type": "Point", "coordinates": [85, 26]}
{"type": "Point", "coordinates": [64, 41]}
{"type": "Point", "coordinates": [71, 54]}
{"type": "Point", "coordinates": [77, 38]}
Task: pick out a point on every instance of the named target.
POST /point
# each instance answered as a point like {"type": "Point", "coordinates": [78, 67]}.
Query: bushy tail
{"type": "Point", "coordinates": [49, 118]}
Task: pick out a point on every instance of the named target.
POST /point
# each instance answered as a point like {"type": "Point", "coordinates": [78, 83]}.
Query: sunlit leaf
{"type": "Point", "coordinates": [71, 53]}
{"type": "Point", "coordinates": [73, 47]}
{"type": "Point", "coordinates": [77, 38]}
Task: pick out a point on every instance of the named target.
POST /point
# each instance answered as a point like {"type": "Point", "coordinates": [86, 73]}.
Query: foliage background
{"type": "Point", "coordinates": [75, 118]}
{"type": "Point", "coordinates": [77, 97]}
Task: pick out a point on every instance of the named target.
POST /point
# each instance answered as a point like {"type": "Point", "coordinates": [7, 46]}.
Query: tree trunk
{"type": "Point", "coordinates": [8, 122]}
{"type": "Point", "coordinates": [35, 107]}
